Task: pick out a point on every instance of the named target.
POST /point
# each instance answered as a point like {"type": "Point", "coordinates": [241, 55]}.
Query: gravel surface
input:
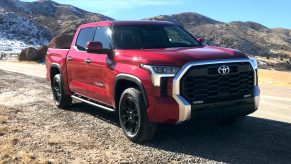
{"type": "Point", "coordinates": [33, 130]}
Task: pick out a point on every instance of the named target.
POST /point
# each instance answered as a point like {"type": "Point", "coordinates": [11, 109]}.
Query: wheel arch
{"type": "Point", "coordinates": [54, 69]}
{"type": "Point", "coordinates": [129, 81]}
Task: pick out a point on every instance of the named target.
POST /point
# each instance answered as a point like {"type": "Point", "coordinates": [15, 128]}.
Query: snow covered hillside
{"type": "Point", "coordinates": [17, 32]}
{"type": "Point", "coordinates": [24, 24]}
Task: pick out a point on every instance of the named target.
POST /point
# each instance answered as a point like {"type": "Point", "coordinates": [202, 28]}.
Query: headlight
{"type": "Point", "coordinates": [158, 72]}
{"type": "Point", "coordinates": [161, 69]}
{"type": "Point", "coordinates": [254, 62]}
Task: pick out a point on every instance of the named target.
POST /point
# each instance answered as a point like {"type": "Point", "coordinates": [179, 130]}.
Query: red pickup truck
{"type": "Point", "coordinates": [152, 72]}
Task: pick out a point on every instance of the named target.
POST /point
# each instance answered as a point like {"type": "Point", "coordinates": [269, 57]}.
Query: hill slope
{"type": "Point", "coordinates": [57, 18]}
{"type": "Point", "coordinates": [187, 20]}
{"type": "Point", "coordinates": [26, 24]}
{"type": "Point", "coordinates": [240, 35]}
{"type": "Point", "coordinates": [18, 32]}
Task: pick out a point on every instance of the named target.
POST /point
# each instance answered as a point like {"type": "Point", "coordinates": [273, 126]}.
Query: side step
{"type": "Point", "coordinates": [92, 103]}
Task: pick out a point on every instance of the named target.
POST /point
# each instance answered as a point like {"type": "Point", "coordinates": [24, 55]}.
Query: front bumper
{"type": "Point", "coordinates": [167, 110]}
{"type": "Point", "coordinates": [229, 109]}
{"type": "Point", "coordinates": [183, 111]}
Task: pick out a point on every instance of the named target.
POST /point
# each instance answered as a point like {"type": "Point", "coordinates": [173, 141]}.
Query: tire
{"type": "Point", "coordinates": [133, 117]}
{"type": "Point", "coordinates": [62, 100]}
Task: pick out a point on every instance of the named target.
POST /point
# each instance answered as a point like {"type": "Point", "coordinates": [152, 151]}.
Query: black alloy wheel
{"type": "Point", "coordinates": [133, 117]}
{"type": "Point", "coordinates": [62, 100]}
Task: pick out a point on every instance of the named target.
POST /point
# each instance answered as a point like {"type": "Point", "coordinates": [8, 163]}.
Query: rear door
{"type": "Point", "coordinates": [76, 65]}
{"type": "Point", "coordinates": [98, 72]}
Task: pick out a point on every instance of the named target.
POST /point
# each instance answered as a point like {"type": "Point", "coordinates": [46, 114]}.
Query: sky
{"type": "Point", "coordinates": [271, 13]}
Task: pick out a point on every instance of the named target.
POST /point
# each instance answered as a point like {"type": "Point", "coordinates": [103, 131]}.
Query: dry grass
{"type": "Point", "coordinates": [11, 136]}
{"type": "Point", "coordinates": [22, 62]}
{"type": "Point", "coordinates": [281, 52]}
{"type": "Point", "coordinates": [9, 141]}
{"type": "Point", "coordinates": [3, 119]}
{"type": "Point", "coordinates": [5, 139]}
{"type": "Point", "coordinates": [274, 78]}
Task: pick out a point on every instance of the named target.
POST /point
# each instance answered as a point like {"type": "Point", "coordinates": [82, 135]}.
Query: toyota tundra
{"type": "Point", "coordinates": [152, 72]}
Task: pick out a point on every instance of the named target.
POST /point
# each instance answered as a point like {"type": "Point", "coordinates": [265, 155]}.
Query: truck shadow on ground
{"type": "Point", "coordinates": [251, 140]}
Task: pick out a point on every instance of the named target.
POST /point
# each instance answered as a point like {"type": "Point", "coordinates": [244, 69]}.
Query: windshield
{"type": "Point", "coordinates": [151, 36]}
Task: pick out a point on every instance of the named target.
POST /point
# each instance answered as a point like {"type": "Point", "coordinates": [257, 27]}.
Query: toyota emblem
{"type": "Point", "coordinates": [223, 70]}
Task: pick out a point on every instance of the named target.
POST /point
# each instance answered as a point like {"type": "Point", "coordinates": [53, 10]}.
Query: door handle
{"type": "Point", "coordinates": [88, 61]}
{"type": "Point", "coordinates": [70, 58]}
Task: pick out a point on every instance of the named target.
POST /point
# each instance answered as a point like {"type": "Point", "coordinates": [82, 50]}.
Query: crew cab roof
{"type": "Point", "coordinates": [113, 23]}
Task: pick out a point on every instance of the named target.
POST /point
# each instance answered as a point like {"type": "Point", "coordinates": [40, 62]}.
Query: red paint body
{"type": "Point", "coordinates": [80, 77]}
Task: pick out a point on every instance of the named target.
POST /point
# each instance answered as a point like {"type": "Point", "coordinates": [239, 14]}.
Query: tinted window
{"type": "Point", "coordinates": [177, 37]}
{"type": "Point", "coordinates": [151, 36]}
{"type": "Point", "coordinates": [103, 35]}
{"type": "Point", "coordinates": [85, 36]}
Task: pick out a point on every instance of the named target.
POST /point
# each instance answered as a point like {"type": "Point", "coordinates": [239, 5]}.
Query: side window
{"type": "Point", "coordinates": [175, 37]}
{"type": "Point", "coordinates": [103, 35]}
{"type": "Point", "coordinates": [85, 36]}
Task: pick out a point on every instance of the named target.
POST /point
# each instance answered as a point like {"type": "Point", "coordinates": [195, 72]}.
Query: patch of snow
{"type": "Point", "coordinates": [13, 46]}
{"type": "Point", "coordinates": [18, 33]}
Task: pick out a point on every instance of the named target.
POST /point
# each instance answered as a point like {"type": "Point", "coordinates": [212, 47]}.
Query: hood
{"type": "Point", "coordinates": [177, 56]}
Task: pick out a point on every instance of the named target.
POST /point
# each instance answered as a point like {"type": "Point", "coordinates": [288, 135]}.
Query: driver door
{"type": "Point", "coordinates": [76, 65]}
{"type": "Point", "coordinates": [98, 72]}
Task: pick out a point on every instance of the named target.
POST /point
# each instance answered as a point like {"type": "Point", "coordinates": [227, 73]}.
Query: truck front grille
{"type": "Point", "coordinates": [203, 84]}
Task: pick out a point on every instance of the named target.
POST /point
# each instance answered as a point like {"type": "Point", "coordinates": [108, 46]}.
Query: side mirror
{"type": "Point", "coordinates": [201, 41]}
{"type": "Point", "coordinates": [94, 47]}
{"type": "Point", "coordinates": [97, 47]}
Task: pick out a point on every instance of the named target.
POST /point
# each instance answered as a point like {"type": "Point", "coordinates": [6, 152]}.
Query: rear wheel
{"type": "Point", "coordinates": [60, 98]}
{"type": "Point", "coordinates": [133, 117]}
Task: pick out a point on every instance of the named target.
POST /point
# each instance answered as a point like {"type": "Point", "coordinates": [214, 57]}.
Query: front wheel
{"type": "Point", "coordinates": [62, 100]}
{"type": "Point", "coordinates": [133, 117]}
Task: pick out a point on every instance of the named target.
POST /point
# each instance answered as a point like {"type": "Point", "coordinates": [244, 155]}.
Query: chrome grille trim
{"type": "Point", "coordinates": [184, 106]}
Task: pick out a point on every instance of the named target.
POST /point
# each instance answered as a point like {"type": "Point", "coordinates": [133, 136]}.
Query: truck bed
{"type": "Point", "coordinates": [58, 52]}
{"type": "Point", "coordinates": [56, 57]}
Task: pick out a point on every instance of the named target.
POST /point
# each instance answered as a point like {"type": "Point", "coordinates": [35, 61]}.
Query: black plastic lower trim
{"type": "Point", "coordinates": [164, 87]}
{"type": "Point", "coordinates": [132, 79]}
{"type": "Point", "coordinates": [222, 110]}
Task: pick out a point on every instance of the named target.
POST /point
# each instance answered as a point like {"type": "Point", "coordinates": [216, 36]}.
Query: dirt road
{"type": "Point", "coordinates": [32, 69]}
{"type": "Point", "coordinates": [32, 130]}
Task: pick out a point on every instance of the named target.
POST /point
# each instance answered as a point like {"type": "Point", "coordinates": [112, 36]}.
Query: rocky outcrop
{"type": "Point", "coordinates": [32, 54]}
{"type": "Point", "coordinates": [28, 54]}
{"type": "Point", "coordinates": [62, 41]}
{"type": "Point", "coordinates": [42, 53]}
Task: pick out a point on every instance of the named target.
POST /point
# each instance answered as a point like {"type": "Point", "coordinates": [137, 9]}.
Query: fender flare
{"type": "Point", "coordinates": [55, 65]}
{"type": "Point", "coordinates": [64, 78]}
{"type": "Point", "coordinates": [133, 79]}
